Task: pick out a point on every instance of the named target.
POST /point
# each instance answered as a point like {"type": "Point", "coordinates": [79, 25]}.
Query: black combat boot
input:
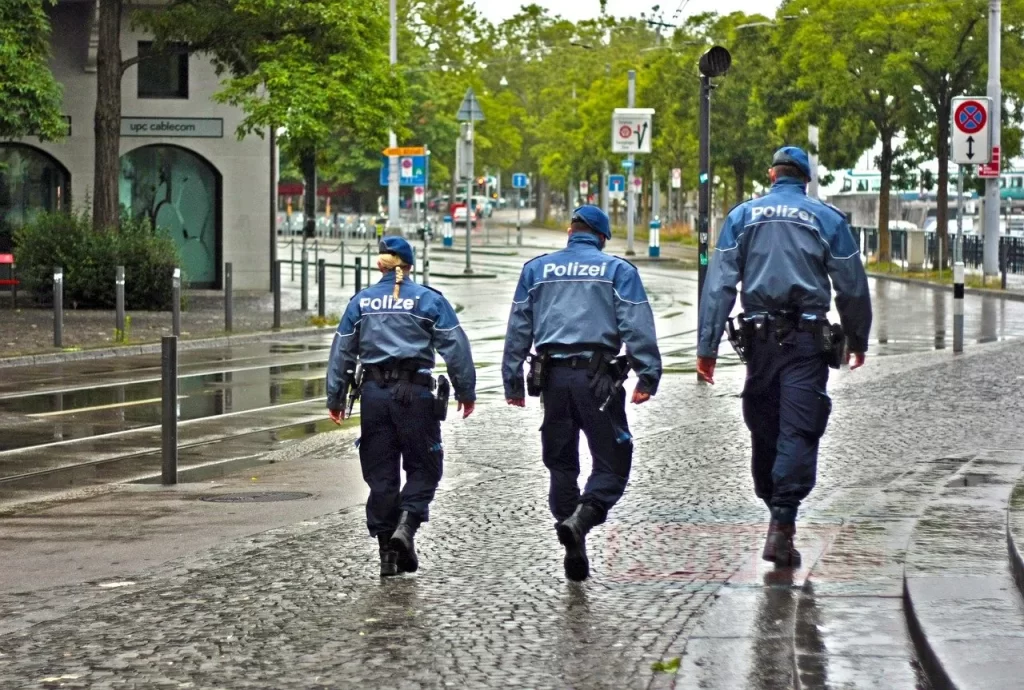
{"type": "Point", "coordinates": [572, 533]}
{"type": "Point", "coordinates": [402, 542]}
{"type": "Point", "coordinates": [785, 554]}
{"type": "Point", "coordinates": [768, 553]}
{"type": "Point", "coordinates": [388, 556]}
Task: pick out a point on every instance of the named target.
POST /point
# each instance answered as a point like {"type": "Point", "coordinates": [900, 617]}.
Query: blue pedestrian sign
{"type": "Point", "coordinates": [412, 171]}
{"type": "Point", "coordinates": [616, 183]}
{"type": "Point", "coordinates": [520, 181]}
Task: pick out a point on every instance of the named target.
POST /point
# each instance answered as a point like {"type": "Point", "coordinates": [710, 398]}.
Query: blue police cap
{"type": "Point", "coordinates": [795, 156]}
{"type": "Point", "coordinates": [393, 244]}
{"type": "Point", "coordinates": [595, 219]}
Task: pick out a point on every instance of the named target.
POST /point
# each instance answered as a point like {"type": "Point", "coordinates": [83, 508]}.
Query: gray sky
{"type": "Point", "coordinates": [496, 10]}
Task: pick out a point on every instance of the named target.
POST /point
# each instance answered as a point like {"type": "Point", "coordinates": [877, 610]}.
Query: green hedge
{"type": "Point", "coordinates": [90, 260]}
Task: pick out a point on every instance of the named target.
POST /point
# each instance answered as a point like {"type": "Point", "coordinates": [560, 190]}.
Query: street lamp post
{"type": "Point", "coordinates": [393, 180]}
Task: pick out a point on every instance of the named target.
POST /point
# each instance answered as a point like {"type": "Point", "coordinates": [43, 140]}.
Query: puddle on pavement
{"type": "Point", "coordinates": [79, 414]}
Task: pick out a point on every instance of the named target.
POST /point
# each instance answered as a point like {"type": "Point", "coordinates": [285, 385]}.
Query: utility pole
{"type": "Point", "coordinates": [394, 208]}
{"type": "Point", "coordinates": [995, 95]}
{"type": "Point", "coordinates": [630, 196]}
{"type": "Point", "coordinates": [812, 138]}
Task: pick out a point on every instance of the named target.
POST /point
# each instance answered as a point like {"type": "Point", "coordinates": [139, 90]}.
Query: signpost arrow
{"type": "Point", "coordinates": [970, 147]}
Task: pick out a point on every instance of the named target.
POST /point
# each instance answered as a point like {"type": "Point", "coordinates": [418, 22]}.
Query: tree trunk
{"type": "Point", "coordinates": [942, 194]}
{"type": "Point", "coordinates": [885, 168]}
{"type": "Point", "coordinates": [740, 171]}
{"type": "Point", "coordinates": [543, 205]}
{"type": "Point", "coordinates": [106, 208]}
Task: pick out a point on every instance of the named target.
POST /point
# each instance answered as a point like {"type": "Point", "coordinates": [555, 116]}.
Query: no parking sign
{"type": "Point", "coordinates": [971, 134]}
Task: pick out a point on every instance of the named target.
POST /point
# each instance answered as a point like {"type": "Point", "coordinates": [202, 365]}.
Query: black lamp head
{"type": "Point", "coordinates": [715, 62]}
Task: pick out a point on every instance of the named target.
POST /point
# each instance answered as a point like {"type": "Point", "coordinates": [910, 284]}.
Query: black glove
{"type": "Point", "coordinates": [404, 393]}
{"type": "Point", "coordinates": [602, 386]}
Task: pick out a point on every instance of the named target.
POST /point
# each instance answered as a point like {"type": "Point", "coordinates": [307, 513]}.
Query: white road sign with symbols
{"type": "Point", "coordinates": [971, 131]}
{"type": "Point", "coordinates": [631, 130]}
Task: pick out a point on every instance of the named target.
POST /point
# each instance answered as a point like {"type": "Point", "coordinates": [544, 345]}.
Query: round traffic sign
{"type": "Point", "coordinates": [970, 117]}
{"type": "Point", "coordinates": [406, 162]}
{"type": "Point", "coordinates": [625, 132]}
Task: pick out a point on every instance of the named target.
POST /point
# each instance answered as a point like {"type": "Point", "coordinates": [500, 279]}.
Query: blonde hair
{"type": "Point", "coordinates": [390, 262]}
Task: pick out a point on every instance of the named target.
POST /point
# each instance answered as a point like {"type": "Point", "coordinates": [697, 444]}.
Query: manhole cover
{"type": "Point", "coordinates": [257, 497]}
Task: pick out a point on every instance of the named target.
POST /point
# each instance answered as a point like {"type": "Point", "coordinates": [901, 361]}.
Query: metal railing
{"type": "Point", "coordinates": [1011, 249]}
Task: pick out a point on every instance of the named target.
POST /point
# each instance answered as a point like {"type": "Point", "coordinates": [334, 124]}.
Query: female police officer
{"type": "Point", "coordinates": [394, 327]}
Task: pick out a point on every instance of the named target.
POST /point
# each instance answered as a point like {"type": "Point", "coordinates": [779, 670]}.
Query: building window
{"type": "Point", "coordinates": [162, 74]}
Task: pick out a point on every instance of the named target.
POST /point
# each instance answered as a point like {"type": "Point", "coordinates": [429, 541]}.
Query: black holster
{"type": "Point", "coordinates": [831, 341]}
{"type": "Point", "coordinates": [441, 398]}
{"type": "Point", "coordinates": [537, 375]}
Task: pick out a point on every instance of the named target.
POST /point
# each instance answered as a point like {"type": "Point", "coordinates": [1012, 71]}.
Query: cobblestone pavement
{"type": "Point", "coordinates": [301, 607]}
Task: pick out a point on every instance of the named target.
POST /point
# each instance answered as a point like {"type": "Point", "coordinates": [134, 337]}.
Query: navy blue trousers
{"type": "Point", "coordinates": [393, 433]}
{"type": "Point", "coordinates": [570, 407]}
{"type": "Point", "coordinates": [786, 408]}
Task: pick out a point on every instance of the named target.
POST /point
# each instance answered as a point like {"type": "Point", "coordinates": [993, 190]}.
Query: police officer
{"type": "Point", "coordinates": [394, 327]}
{"type": "Point", "coordinates": [784, 247]}
{"type": "Point", "coordinates": [579, 306]}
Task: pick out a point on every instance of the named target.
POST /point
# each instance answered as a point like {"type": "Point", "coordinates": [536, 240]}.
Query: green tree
{"type": "Point", "coordinates": [30, 98]}
{"type": "Point", "coordinates": [845, 52]}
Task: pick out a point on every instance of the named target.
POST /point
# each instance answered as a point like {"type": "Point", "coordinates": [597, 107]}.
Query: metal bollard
{"type": "Point", "coordinates": [958, 307]}
{"type": "Point", "coordinates": [369, 278]}
{"type": "Point", "coordinates": [341, 263]}
{"type": "Point", "coordinates": [426, 259]}
{"type": "Point", "coordinates": [14, 287]}
{"type": "Point", "coordinates": [305, 279]}
{"type": "Point", "coordinates": [176, 302]}
{"type": "Point", "coordinates": [293, 260]}
{"type": "Point", "coordinates": [275, 281]}
{"type": "Point", "coordinates": [316, 258]}
{"type": "Point", "coordinates": [119, 304]}
{"type": "Point", "coordinates": [321, 297]}
{"type": "Point", "coordinates": [169, 409]}
{"type": "Point", "coordinates": [654, 241]}
{"type": "Point", "coordinates": [58, 306]}
{"type": "Point", "coordinates": [359, 274]}
{"type": "Point", "coordinates": [229, 297]}
{"type": "Point", "coordinates": [1004, 247]}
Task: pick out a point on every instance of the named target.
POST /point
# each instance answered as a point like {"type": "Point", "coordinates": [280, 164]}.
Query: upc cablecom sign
{"type": "Point", "coordinates": [201, 127]}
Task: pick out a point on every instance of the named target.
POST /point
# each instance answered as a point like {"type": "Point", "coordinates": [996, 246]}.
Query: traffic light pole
{"type": "Point", "coordinates": [704, 188]}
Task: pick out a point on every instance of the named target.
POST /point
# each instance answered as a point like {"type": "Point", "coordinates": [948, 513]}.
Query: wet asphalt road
{"type": "Point", "coordinates": [676, 569]}
{"type": "Point", "coordinates": [92, 422]}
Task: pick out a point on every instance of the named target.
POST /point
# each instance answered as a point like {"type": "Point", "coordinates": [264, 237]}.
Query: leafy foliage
{"type": "Point", "coordinates": [90, 261]}
{"type": "Point", "coordinates": [30, 98]}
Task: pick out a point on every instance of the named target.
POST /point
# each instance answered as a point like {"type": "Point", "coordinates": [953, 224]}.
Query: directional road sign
{"type": "Point", "coordinates": [971, 134]}
{"type": "Point", "coordinates": [405, 151]}
{"type": "Point", "coordinates": [520, 181]}
{"type": "Point", "coordinates": [631, 130]}
{"type": "Point", "coordinates": [990, 169]}
{"type": "Point", "coordinates": [412, 171]}
{"type": "Point", "coordinates": [627, 164]}
{"type": "Point", "coordinates": [616, 183]}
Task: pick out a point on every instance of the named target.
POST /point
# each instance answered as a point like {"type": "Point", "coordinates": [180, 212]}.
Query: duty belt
{"type": "Point", "coordinates": [386, 375]}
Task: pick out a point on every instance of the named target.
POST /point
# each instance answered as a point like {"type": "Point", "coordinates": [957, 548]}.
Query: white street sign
{"type": "Point", "coordinates": [584, 187]}
{"type": "Point", "coordinates": [631, 130]}
{"type": "Point", "coordinates": [418, 194]}
{"type": "Point", "coordinates": [677, 178]}
{"type": "Point", "coordinates": [971, 131]}
{"type": "Point", "coordinates": [638, 184]}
